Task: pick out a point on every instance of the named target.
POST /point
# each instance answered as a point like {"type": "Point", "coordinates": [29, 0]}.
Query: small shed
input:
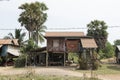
{"type": "Point", "coordinates": [88, 55]}
{"type": "Point", "coordinates": [88, 45]}
{"type": "Point", "coordinates": [117, 53]}
{"type": "Point", "coordinates": [9, 48]}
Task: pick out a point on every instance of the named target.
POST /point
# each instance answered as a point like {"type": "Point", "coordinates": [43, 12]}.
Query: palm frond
{"type": "Point", "coordinates": [11, 36]}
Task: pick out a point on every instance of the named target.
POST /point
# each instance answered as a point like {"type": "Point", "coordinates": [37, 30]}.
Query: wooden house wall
{"type": "Point", "coordinates": [52, 48]}
{"type": "Point", "coordinates": [72, 45]}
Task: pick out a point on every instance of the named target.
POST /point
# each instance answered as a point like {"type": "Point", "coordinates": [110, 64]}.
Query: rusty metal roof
{"type": "Point", "coordinates": [64, 34]}
{"type": "Point", "coordinates": [88, 43]}
{"type": "Point", "coordinates": [9, 41]}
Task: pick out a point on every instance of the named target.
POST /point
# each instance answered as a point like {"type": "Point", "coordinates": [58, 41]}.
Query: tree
{"type": "Point", "coordinates": [40, 36]}
{"type": "Point", "coordinates": [107, 52]}
{"type": "Point", "coordinates": [18, 35]}
{"type": "Point", "coordinates": [26, 52]}
{"type": "Point", "coordinates": [33, 17]}
{"type": "Point", "coordinates": [97, 29]}
{"type": "Point", "coordinates": [29, 46]}
{"type": "Point", "coordinates": [117, 42]}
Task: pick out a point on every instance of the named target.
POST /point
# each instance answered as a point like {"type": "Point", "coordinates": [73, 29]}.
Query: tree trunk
{"type": "Point", "coordinates": [37, 36]}
{"type": "Point", "coordinates": [29, 35]}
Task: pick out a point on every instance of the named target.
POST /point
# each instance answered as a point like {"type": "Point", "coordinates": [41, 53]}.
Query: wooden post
{"type": "Point", "coordinates": [91, 52]}
{"type": "Point", "coordinates": [64, 58]}
{"type": "Point", "coordinates": [46, 59]}
{"type": "Point", "coordinates": [34, 60]}
{"type": "Point", "coordinates": [39, 58]}
{"type": "Point", "coordinates": [26, 62]}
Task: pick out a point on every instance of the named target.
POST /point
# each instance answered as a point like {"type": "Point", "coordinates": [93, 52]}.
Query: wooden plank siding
{"type": "Point", "coordinates": [58, 49]}
{"type": "Point", "coordinates": [62, 45]}
{"type": "Point", "coordinates": [72, 45]}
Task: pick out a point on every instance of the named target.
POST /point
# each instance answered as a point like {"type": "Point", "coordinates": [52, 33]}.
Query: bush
{"type": "Point", "coordinates": [107, 52]}
{"type": "Point", "coordinates": [89, 62]}
{"type": "Point", "coordinates": [20, 61]}
{"type": "Point", "coordinates": [83, 63]}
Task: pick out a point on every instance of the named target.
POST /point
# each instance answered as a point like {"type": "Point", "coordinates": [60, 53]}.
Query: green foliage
{"type": "Point", "coordinates": [108, 69]}
{"type": "Point", "coordinates": [18, 35]}
{"type": "Point", "coordinates": [33, 17]}
{"type": "Point", "coordinates": [73, 56]}
{"type": "Point", "coordinates": [97, 29]}
{"type": "Point", "coordinates": [95, 61]}
{"type": "Point", "coordinates": [40, 36]}
{"type": "Point", "coordinates": [20, 61]}
{"type": "Point", "coordinates": [89, 62]}
{"type": "Point", "coordinates": [117, 42]}
{"type": "Point", "coordinates": [83, 63]}
{"type": "Point", "coordinates": [107, 52]}
{"type": "Point", "coordinates": [29, 46]}
{"type": "Point", "coordinates": [84, 60]}
{"type": "Point", "coordinates": [101, 54]}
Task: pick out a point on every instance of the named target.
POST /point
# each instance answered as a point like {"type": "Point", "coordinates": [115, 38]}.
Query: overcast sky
{"type": "Point", "coordinates": [66, 14]}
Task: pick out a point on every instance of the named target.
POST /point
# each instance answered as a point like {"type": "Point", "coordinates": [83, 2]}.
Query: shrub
{"type": "Point", "coordinates": [83, 63]}
{"type": "Point", "coordinates": [89, 62]}
{"type": "Point", "coordinates": [20, 61]}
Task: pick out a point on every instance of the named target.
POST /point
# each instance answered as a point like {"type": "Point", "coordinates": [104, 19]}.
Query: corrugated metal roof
{"type": "Point", "coordinates": [0, 46]}
{"type": "Point", "coordinates": [118, 46]}
{"type": "Point", "coordinates": [14, 51]}
{"type": "Point", "coordinates": [9, 41]}
{"type": "Point", "coordinates": [88, 43]}
{"type": "Point", "coordinates": [64, 34]}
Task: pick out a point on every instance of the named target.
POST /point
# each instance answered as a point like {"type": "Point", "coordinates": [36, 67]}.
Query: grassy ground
{"type": "Point", "coordinates": [39, 77]}
{"type": "Point", "coordinates": [105, 69]}
{"type": "Point", "coordinates": [109, 69]}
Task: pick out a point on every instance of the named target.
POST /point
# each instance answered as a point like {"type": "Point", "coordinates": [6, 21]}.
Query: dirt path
{"type": "Point", "coordinates": [51, 71]}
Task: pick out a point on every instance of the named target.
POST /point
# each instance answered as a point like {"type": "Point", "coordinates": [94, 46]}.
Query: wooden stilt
{"type": "Point", "coordinates": [64, 58]}
{"type": "Point", "coordinates": [26, 62]}
{"type": "Point", "coordinates": [46, 59]}
{"type": "Point", "coordinates": [34, 60]}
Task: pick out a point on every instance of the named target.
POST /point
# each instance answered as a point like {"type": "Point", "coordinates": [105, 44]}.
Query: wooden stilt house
{"type": "Point", "coordinates": [59, 44]}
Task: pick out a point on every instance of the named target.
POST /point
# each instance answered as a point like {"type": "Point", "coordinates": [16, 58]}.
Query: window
{"type": "Point", "coordinates": [55, 43]}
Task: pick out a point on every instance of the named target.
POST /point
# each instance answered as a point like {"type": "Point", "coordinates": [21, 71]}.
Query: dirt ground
{"type": "Point", "coordinates": [59, 71]}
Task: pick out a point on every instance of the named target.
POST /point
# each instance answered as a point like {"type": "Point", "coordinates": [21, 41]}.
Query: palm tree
{"type": "Point", "coordinates": [18, 35]}
{"type": "Point", "coordinates": [39, 34]}
{"type": "Point", "coordinates": [33, 17]}
{"type": "Point", "coordinates": [98, 29]}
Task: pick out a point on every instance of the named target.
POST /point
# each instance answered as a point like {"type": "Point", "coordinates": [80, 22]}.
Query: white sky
{"type": "Point", "coordinates": [66, 14]}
